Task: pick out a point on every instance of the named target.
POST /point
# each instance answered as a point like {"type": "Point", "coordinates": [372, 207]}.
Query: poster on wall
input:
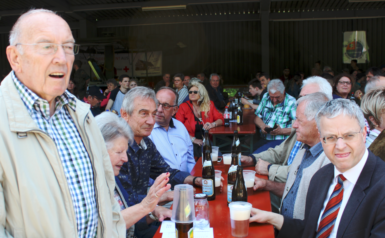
{"type": "Point", "coordinates": [355, 47]}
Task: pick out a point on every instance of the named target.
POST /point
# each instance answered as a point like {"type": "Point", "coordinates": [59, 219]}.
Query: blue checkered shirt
{"type": "Point", "coordinates": [283, 114]}
{"type": "Point", "coordinates": [73, 154]}
{"type": "Point", "coordinates": [294, 151]}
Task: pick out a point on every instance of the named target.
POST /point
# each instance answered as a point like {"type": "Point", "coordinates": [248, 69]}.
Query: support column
{"type": "Point", "coordinates": [265, 47]}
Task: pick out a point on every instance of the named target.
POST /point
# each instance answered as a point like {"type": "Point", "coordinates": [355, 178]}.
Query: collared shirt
{"type": "Point", "coordinates": [294, 152]}
{"type": "Point", "coordinates": [283, 114]}
{"type": "Point", "coordinates": [308, 158]}
{"type": "Point", "coordinates": [145, 162]}
{"type": "Point", "coordinates": [72, 152]}
{"type": "Point", "coordinates": [351, 176]}
{"type": "Point", "coordinates": [183, 93]}
{"type": "Point", "coordinates": [174, 145]}
{"type": "Point", "coordinates": [371, 137]}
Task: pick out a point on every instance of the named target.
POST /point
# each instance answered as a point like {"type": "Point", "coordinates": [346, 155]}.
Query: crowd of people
{"type": "Point", "coordinates": [90, 163]}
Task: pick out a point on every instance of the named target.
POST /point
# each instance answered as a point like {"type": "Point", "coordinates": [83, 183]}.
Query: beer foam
{"type": "Point", "coordinates": [227, 158]}
{"type": "Point", "coordinates": [239, 215]}
{"type": "Point", "coordinates": [249, 183]}
{"type": "Point", "coordinates": [217, 182]}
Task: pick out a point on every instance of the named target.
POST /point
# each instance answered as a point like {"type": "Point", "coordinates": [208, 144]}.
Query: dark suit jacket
{"type": "Point", "coordinates": [364, 214]}
{"type": "Point", "coordinates": [219, 104]}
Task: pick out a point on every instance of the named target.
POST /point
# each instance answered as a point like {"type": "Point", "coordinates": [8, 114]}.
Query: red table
{"type": "Point", "coordinates": [247, 129]}
{"type": "Point", "coordinates": [219, 211]}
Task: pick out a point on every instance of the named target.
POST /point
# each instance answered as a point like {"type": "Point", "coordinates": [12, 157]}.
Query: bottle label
{"type": "Point", "coordinates": [233, 168]}
{"type": "Point", "coordinates": [237, 142]}
{"type": "Point", "coordinates": [239, 158]}
{"type": "Point", "coordinates": [207, 163]}
{"type": "Point", "coordinates": [208, 187]}
{"type": "Point", "coordinates": [229, 192]}
{"type": "Point", "coordinates": [238, 119]}
{"type": "Point", "coordinates": [190, 233]}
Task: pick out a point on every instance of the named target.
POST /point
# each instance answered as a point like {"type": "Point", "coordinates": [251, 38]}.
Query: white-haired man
{"type": "Point", "coordinates": [346, 198]}
{"type": "Point", "coordinates": [56, 180]}
{"type": "Point", "coordinates": [276, 110]}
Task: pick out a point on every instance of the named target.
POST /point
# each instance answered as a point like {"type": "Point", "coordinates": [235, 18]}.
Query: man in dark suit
{"type": "Point", "coordinates": [345, 198]}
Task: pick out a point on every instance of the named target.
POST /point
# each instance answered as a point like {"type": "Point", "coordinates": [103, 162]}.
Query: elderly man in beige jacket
{"type": "Point", "coordinates": [56, 178]}
{"type": "Point", "coordinates": [309, 159]}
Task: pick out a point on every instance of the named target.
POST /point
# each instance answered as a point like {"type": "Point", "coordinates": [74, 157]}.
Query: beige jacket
{"type": "Point", "coordinates": [278, 156]}
{"type": "Point", "coordinates": [34, 196]}
{"type": "Point", "coordinates": [307, 175]}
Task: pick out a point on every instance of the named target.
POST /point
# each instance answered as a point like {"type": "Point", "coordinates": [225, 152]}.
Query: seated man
{"type": "Point", "coordinates": [180, 88]}
{"type": "Point", "coordinates": [255, 88]}
{"type": "Point", "coordinates": [94, 97]}
{"type": "Point", "coordinates": [169, 135]}
{"type": "Point", "coordinates": [345, 198]}
{"type": "Point", "coordinates": [264, 78]}
{"type": "Point", "coordinates": [277, 109]}
{"type": "Point", "coordinates": [308, 160]}
{"type": "Point", "coordinates": [216, 92]}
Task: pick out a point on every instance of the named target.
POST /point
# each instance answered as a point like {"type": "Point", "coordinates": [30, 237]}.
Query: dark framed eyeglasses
{"type": "Point", "coordinates": [166, 105]}
{"type": "Point", "coordinates": [191, 92]}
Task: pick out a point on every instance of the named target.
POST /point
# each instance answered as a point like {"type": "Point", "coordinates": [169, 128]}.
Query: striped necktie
{"type": "Point", "coordinates": [332, 208]}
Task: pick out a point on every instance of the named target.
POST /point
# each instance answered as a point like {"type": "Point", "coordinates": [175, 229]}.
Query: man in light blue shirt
{"type": "Point", "coordinates": [169, 135]}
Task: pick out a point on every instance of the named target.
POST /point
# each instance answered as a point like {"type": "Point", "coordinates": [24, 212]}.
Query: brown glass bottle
{"type": "Point", "coordinates": [239, 116]}
{"type": "Point", "coordinates": [236, 146]}
{"type": "Point", "coordinates": [239, 189]}
{"type": "Point", "coordinates": [208, 177]}
{"type": "Point", "coordinates": [231, 176]}
{"type": "Point", "coordinates": [184, 225]}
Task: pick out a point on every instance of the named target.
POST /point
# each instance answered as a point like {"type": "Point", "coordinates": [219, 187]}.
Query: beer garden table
{"type": "Point", "coordinates": [219, 211]}
{"type": "Point", "coordinates": [247, 130]}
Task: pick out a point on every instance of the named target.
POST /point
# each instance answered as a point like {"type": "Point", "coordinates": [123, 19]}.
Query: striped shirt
{"type": "Point", "coordinates": [183, 92]}
{"type": "Point", "coordinates": [72, 152]}
{"type": "Point", "coordinates": [294, 152]}
{"type": "Point", "coordinates": [283, 114]}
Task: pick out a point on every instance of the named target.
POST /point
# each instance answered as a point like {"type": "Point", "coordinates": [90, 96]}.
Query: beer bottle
{"type": "Point", "coordinates": [236, 146]}
{"type": "Point", "coordinates": [206, 145]}
{"type": "Point", "coordinates": [183, 228]}
{"type": "Point", "coordinates": [234, 111]}
{"type": "Point", "coordinates": [239, 189]}
{"type": "Point", "coordinates": [238, 97]}
{"type": "Point", "coordinates": [231, 109]}
{"type": "Point", "coordinates": [239, 116]}
{"type": "Point", "coordinates": [208, 177]}
{"type": "Point", "coordinates": [227, 116]}
{"type": "Point", "coordinates": [231, 177]}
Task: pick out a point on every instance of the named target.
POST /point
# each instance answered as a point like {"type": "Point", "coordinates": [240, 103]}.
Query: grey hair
{"type": "Point", "coordinates": [276, 85]}
{"type": "Point", "coordinates": [340, 106]}
{"type": "Point", "coordinates": [373, 104]}
{"type": "Point", "coordinates": [323, 84]}
{"type": "Point", "coordinates": [137, 92]}
{"type": "Point", "coordinates": [214, 74]}
{"type": "Point", "coordinates": [15, 33]}
{"type": "Point", "coordinates": [172, 90]}
{"type": "Point", "coordinates": [113, 127]}
{"type": "Point", "coordinates": [195, 79]}
{"type": "Point", "coordinates": [372, 84]}
{"type": "Point", "coordinates": [314, 102]}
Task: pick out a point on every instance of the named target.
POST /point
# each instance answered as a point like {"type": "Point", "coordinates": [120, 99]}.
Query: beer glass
{"type": "Point", "coordinates": [239, 217]}
{"type": "Point", "coordinates": [214, 153]}
{"type": "Point", "coordinates": [201, 211]}
{"type": "Point", "coordinates": [218, 175]}
{"type": "Point", "coordinates": [183, 212]}
{"type": "Point", "coordinates": [226, 161]}
{"type": "Point", "coordinates": [249, 176]}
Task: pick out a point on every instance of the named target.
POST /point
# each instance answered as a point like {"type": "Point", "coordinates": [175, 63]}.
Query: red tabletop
{"type": "Point", "coordinates": [219, 211]}
{"type": "Point", "coordinates": [248, 126]}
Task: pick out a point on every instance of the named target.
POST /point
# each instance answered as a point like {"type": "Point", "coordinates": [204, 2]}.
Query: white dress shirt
{"type": "Point", "coordinates": [351, 176]}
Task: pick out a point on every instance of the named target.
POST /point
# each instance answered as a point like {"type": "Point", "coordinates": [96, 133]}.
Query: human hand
{"type": "Point", "coordinates": [246, 160]}
{"type": "Point", "coordinates": [358, 94]}
{"type": "Point", "coordinates": [245, 101]}
{"type": "Point", "coordinates": [259, 184]}
{"type": "Point", "coordinates": [198, 142]}
{"type": "Point", "coordinates": [261, 216]}
{"type": "Point", "coordinates": [222, 180]}
{"type": "Point", "coordinates": [166, 197]}
{"type": "Point", "coordinates": [261, 167]}
{"type": "Point", "coordinates": [263, 129]}
{"type": "Point", "coordinates": [159, 187]}
{"type": "Point", "coordinates": [162, 213]}
{"type": "Point", "coordinates": [207, 126]}
{"type": "Point", "coordinates": [277, 131]}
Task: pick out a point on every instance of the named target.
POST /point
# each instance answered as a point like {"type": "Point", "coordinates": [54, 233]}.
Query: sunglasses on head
{"type": "Point", "coordinates": [191, 92]}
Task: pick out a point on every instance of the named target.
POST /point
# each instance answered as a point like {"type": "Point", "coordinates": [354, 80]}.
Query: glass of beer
{"type": "Point", "coordinates": [249, 176]}
{"type": "Point", "coordinates": [218, 175]}
{"type": "Point", "coordinates": [214, 154]}
{"type": "Point", "coordinates": [183, 212]}
{"type": "Point", "coordinates": [239, 217]}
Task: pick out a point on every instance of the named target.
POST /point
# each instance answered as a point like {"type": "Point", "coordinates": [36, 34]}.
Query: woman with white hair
{"type": "Point", "coordinates": [117, 134]}
{"type": "Point", "coordinates": [373, 107]}
{"type": "Point", "coordinates": [197, 114]}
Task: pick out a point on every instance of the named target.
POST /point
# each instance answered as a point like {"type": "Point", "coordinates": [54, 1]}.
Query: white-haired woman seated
{"type": "Point", "coordinates": [373, 107]}
{"type": "Point", "coordinates": [117, 134]}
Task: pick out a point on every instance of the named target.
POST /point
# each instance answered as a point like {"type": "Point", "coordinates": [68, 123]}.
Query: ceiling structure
{"type": "Point", "coordinates": [114, 13]}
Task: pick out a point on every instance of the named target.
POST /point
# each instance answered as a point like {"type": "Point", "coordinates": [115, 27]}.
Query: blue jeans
{"type": "Point", "coordinates": [263, 145]}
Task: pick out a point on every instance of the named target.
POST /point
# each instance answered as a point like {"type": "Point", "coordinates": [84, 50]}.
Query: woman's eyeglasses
{"type": "Point", "coordinates": [191, 92]}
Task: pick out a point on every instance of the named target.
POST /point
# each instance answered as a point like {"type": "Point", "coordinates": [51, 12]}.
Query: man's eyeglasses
{"type": "Point", "coordinates": [191, 92]}
{"type": "Point", "coordinates": [44, 48]}
{"type": "Point", "coordinates": [348, 137]}
{"type": "Point", "coordinates": [166, 105]}
{"type": "Point", "coordinates": [344, 82]}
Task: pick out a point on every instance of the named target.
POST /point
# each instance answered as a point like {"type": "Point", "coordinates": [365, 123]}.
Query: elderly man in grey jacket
{"type": "Point", "coordinates": [309, 159]}
{"type": "Point", "coordinates": [56, 178]}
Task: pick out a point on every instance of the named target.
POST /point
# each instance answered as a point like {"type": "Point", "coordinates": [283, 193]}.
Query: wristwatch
{"type": "Point", "coordinates": [192, 139]}
{"type": "Point", "coordinates": [153, 217]}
